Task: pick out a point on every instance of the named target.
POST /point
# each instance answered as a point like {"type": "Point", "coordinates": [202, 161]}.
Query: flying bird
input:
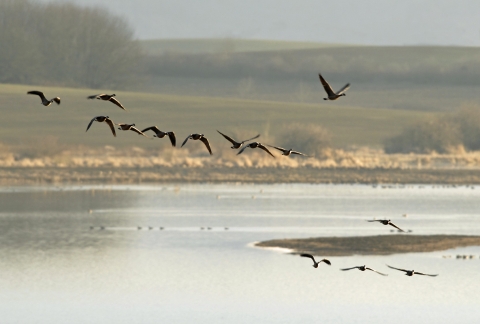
{"type": "Point", "coordinates": [287, 152]}
{"type": "Point", "coordinates": [331, 95]}
{"type": "Point", "coordinates": [236, 145]}
{"type": "Point", "coordinates": [363, 268]}
{"type": "Point", "coordinates": [198, 137]}
{"type": "Point", "coordinates": [386, 222]}
{"type": "Point", "coordinates": [102, 119]}
{"type": "Point", "coordinates": [315, 263]}
{"type": "Point", "coordinates": [255, 145]}
{"type": "Point", "coordinates": [412, 272]}
{"type": "Point", "coordinates": [131, 127]}
{"type": "Point", "coordinates": [45, 101]}
{"type": "Point", "coordinates": [107, 97]}
{"type": "Point", "coordinates": [160, 134]}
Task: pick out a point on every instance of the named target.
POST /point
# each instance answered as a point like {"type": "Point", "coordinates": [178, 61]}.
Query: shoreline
{"type": "Point", "coordinates": [372, 245]}
{"type": "Point", "coordinates": [210, 174]}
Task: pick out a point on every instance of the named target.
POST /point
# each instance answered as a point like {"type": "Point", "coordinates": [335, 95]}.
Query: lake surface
{"type": "Point", "coordinates": [55, 269]}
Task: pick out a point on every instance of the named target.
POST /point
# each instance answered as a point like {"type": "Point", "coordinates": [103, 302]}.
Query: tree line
{"type": "Point", "coordinates": [65, 44]}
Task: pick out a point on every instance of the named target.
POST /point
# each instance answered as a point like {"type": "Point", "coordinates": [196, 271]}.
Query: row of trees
{"type": "Point", "coordinates": [65, 44]}
{"type": "Point", "coordinates": [447, 134]}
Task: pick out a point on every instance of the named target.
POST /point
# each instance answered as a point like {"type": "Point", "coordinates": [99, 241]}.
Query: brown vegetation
{"type": "Point", "coordinates": [373, 245]}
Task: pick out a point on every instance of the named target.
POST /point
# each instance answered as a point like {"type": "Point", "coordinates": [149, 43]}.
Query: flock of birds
{"type": "Point", "coordinates": [331, 95]}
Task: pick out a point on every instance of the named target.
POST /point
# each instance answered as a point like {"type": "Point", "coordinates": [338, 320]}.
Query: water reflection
{"type": "Point", "coordinates": [56, 269]}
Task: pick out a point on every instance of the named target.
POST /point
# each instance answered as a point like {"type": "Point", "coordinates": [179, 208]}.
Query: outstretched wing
{"type": "Point", "coordinates": [306, 255]}
{"type": "Point", "coordinates": [171, 136]}
{"type": "Point", "coordinates": [115, 101]}
{"type": "Point", "coordinates": [298, 153]}
{"type": "Point", "coordinates": [136, 130]}
{"type": "Point", "coordinates": [260, 145]}
{"type": "Point", "coordinates": [111, 124]}
{"type": "Point", "coordinates": [185, 141]}
{"type": "Point", "coordinates": [278, 148]}
{"type": "Point", "coordinates": [374, 220]}
{"type": "Point", "coordinates": [251, 138]}
{"type": "Point", "coordinates": [391, 224]}
{"type": "Point", "coordinates": [90, 123]}
{"type": "Point", "coordinates": [38, 93]}
{"type": "Point", "coordinates": [424, 274]}
{"type": "Point", "coordinates": [152, 128]}
{"type": "Point", "coordinates": [397, 268]}
{"type": "Point", "coordinates": [326, 86]}
{"type": "Point", "coordinates": [383, 274]}
{"type": "Point", "coordinates": [342, 90]}
{"type": "Point", "coordinates": [93, 97]}
{"type": "Point", "coordinates": [326, 261]}
{"type": "Point", "coordinates": [57, 100]}
{"type": "Point", "coordinates": [207, 144]}
{"type": "Point", "coordinates": [243, 149]}
{"type": "Point", "coordinates": [346, 269]}
{"type": "Point", "coordinates": [231, 140]}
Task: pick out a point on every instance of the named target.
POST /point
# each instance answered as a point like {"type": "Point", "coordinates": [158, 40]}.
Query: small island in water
{"type": "Point", "coordinates": [372, 245]}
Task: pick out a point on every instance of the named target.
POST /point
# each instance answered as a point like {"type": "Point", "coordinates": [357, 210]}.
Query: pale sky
{"type": "Point", "coordinates": [375, 22]}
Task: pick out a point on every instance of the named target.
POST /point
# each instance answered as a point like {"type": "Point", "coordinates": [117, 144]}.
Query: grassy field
{"type": "Point", "coordinates": [27, 123]}
{"type": "Point", "coordinates": [229, 45]}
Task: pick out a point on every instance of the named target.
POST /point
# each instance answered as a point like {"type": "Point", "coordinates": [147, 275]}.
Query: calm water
{"type": "Point", "coordinates": [55, 269]}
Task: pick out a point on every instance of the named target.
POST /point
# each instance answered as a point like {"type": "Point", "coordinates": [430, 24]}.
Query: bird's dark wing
{"type": "Point", "coordinates": [115, 101]}
{"type": "Point", "coordinates": [231, 140]}
{"type": "Point", "coordinates": [136, 130]}
{"type": "Point", "coordinates": [349, 268]}
{"type": "Point", "coordinates": [342, 90]}
{"type": "Point", "coordinates": [265, 149]}
{"type": "Point", "coordinates": [171, 135]}
{"type": "Point", "coordinates": [251, 138]}
{"type": "Point", "coordinates": [374, 220]}
{"type": "Point", "coordinates": [326, 261]}
{"type": "Point", "coordinates": [90, 123]}
{"type": "Point", "coordinates": [207, 144]}
{"type": "Point", "coordinates": [57, 100]}
{"type": "Point", "coordinates": [153, 128]}
{"type": "Point", "coordinates": [93, 97]}
{"type": "Point", "coordinates": [424, 274]}
{"type": "Point", "coordinates": [111, 124]}
{"type": "Point", "coordinates": [243, 149]}
{"type": "Point", "coordinates": [38, 93]}
{"type": "Point", "coordinates": [397, 268]}
{"type": "Point", "coordinates": [185, 141]}
{"type": "Point", "coordinates": [391, 224]}
{"type": "Point", "coordinates": [326, 86]}
{"type": "Point", "coordinates": [278, 148]}
{"type": "Point", "coordinates": [306, 255]}
{"type": "Point", "coordinates": [298, 153]}
{"type": "Point", "coordinates": [383, 274]}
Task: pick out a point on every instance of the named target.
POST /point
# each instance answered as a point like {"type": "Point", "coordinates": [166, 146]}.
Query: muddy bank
{"type": "Point", "coordinates": [160, 174]}
{"type": "Point", "coordinates": [373, 245]}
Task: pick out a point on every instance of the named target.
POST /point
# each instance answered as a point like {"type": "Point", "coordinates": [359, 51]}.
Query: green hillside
{"type": "Point", "coordinates": [226, 45]}
{"type": "Point", "coordinates": [26, 122]}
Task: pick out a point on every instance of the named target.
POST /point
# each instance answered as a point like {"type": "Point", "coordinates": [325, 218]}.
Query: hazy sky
{"type": "Point", "coordinates": [377, 22]}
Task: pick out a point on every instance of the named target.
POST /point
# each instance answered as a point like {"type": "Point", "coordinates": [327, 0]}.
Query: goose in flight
{"type": "Point", "coordinates": [107, 97]}
{"type": "Point", "coordinates": [236, 145]}
{"type": "Point", "coordinates": [386, 222]}
{"type": "Point", "coordinates": [287, 152]}
{"type": "Point", "coordinates": [131, 127]}
{"type": "Point", "coordinates": [45, 101]}
{"type": "Point", "coordinates": [412, 272]}
{"type": "Point", "coordinates": [315, 263]}
{"type": "Point", "coordinates": [363, 268]}
{"type": "Point", "coordinates": [102, 119]}
{"type": "Point", "coordinates": [160, 134]}
{"type": "Point", "coordinates": [198, 137]}
{"type": "Point", "coordinates": [255, 145]}
{"type": "Point", "coordinates": [331, 95]}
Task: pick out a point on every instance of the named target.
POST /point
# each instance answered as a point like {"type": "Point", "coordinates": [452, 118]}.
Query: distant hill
{"type": "Point", "coordinates": [226, 45]}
